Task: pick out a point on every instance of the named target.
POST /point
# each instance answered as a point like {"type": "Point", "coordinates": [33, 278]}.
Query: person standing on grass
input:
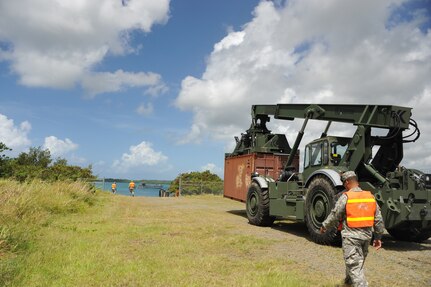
{"type": "Point", "coordinates": [132, 188]}
{"type": "Point", "coordinates": [357, 212]}
{"type": "Point", "coordinates": [114, 187]}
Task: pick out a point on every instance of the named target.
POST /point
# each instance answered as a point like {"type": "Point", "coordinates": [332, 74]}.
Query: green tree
{"type": "Point", "coordinates": [38, 164]}
{"type": "Point", "coordinates": [5, 168]}
{"type": "Point", "coordinates": [36, 156]}
{"type": "Point", "coordinates": [3, 148]}
{"type": "Point", "coordinates": [69, 172]}
{"type": "Point", "coordinates": [197, 183]}
{"type": "Point", "coordinates": [60, 161]}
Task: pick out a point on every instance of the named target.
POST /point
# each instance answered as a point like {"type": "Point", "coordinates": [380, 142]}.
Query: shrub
{"type": "Point", "coordinates": [38, 164]}
{"type": "Point", "coordinates": [197, 183]}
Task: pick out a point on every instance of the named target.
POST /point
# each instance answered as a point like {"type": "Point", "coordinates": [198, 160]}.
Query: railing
{"type": "Point", "coordinates": [201, 187]}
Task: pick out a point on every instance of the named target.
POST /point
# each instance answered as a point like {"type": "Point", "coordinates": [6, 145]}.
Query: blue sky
{"type": "Point", "coordinates": [152, 90]}
{"type": "Point", "coordinates": [105, 126]}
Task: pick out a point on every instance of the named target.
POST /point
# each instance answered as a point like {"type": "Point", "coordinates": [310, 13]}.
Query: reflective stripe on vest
{"type": "Point", "coordinates": [360, 209]}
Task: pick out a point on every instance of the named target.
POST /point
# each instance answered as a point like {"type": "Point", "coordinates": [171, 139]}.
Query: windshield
{"type": "Point", "coordinates": [338, 150]}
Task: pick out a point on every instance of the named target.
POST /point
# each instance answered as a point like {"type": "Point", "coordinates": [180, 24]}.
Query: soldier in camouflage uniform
{"type": "Point", "coordinates": [355, 240]}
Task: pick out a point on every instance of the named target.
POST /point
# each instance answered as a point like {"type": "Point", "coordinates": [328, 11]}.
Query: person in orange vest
{"type": "Point", "coordinates": [132, 188]}
{"type": "Point", "coordinates": [114, 187]}
{"type": "Point", "coordinates": [358, 213]}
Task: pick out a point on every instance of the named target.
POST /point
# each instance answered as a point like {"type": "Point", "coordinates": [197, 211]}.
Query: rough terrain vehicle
{"type": "Point", "coordinates": [263, 169]}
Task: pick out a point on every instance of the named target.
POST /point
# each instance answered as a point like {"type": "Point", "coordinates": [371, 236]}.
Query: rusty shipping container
{"type": "Point", "coordinates": [238, 170]}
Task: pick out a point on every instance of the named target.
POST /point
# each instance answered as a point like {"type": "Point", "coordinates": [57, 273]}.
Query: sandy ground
{"type": "Point", "coordinates": [397, 264]}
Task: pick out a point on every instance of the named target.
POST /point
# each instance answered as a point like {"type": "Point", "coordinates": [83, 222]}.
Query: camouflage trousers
{"type": "Point", "coordinates": [355, 251]}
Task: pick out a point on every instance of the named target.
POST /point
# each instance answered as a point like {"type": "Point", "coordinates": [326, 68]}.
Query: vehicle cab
{"type": "Point", "coordinates": [324, 152]}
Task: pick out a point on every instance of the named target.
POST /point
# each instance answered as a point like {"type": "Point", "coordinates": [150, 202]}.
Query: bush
{"type": "Point", "coordinates": [38, 164]}
{"type": "Point", "coordinates": [197, 183]}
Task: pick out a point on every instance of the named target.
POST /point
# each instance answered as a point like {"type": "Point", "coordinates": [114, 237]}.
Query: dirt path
{"type": "Point", "coordinates": [397, 264]}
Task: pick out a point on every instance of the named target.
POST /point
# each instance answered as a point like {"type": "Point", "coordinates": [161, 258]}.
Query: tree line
{"type": "Point", "coordinates": [38, 163]}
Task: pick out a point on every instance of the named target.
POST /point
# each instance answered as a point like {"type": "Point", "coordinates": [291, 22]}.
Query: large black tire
{"type": "Point", "coordinates": [321, 198]}
{"type": "Point", "coordinates": [257, 206]}
{"type": "Point", "coordinates": [410, 235]}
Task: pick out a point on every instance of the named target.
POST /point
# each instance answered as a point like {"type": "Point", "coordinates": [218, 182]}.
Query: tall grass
{"type": "Point", "coordinates": [25, 207]}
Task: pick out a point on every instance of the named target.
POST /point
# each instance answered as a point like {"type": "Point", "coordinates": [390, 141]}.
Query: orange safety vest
{"type": "Point", "coordinates": [360, 209]}
{"type": "Point", "coordinates": [132, 185]}
{"type": "Point", "coordinates": [114, 185]}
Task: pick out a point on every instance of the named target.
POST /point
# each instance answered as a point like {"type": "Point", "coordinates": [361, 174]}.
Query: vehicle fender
{"type": "Point", "coordinates": [329, 173]}
{"type": "Point", "coordinates": [262, 181]}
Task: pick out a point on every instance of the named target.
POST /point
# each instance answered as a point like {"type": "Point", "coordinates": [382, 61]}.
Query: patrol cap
{"type": "Point", "coordinates": [348, 174]}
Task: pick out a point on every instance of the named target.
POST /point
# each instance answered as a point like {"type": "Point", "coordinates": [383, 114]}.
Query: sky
{"type": "Point", "coordinates": [151, 89]}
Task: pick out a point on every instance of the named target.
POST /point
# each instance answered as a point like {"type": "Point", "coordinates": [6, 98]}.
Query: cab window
{"type": "Point", "coordinates": [307, 157]}
{"type": "Point", "coordinates": [337, 151]}
{"type": "Point", "coordinates": [316, 154]}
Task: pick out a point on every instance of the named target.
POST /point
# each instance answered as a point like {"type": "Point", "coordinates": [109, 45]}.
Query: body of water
{"type": "Point", "coordinates": [123, 188]}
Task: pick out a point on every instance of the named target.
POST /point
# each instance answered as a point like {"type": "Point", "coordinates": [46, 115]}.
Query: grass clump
{"type": "Point", "coordinates": [25, 207]}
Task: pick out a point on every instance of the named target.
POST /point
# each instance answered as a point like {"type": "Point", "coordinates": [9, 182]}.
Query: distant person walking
{"type": "Point", "coordinates": [114, 187]}
{"type": "Point", "coordinates": [358, 213]}
{"type": "Point", "coordinates": [132, 188]}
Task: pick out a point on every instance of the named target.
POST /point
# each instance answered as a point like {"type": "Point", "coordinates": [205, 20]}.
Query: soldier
{"type": "Point", "coordinates": [357, 212]}
{"type": "Point", "coordinates": [132, 188]}
{"type": "Point", "coordinates": [114, 187]}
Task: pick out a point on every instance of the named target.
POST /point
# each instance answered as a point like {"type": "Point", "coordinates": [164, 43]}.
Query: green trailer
{"type": "Point", "coordinates": [403, 194]}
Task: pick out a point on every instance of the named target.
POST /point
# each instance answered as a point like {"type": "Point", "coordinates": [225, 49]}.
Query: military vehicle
{"type": "Point", "coordinates": [274, 191]}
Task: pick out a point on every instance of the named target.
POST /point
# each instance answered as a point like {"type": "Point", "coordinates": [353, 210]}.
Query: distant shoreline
{"type": "Point", "coordinates": [151, 181]}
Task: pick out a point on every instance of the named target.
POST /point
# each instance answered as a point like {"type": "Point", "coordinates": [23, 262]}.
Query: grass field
{"type": "Point", "coordinates": [188, 241]}
{"type": "Point", "coordinates": [124, 241]}
{"type": "Point", "coordinates": [25, 212]}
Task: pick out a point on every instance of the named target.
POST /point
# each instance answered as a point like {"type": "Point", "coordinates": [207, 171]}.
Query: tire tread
{"type": "Point", "coordinates": [262, 217]}
{"type": "Point", "coordinates": [332, 236]}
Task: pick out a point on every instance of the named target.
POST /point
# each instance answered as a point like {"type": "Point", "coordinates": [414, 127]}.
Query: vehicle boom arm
{"type": "Point", "coordinates": [363, 116]}
{"type": "Point", "coordinates": [379, 116]}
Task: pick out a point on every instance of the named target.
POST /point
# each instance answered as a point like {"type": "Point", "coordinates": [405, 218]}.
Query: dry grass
{"type": "Point", "coordinates": [25, 208]}
{"type": "Point", "coordinates": [153, 242]}
{"type": "Point", "coordinates": [188, 241]}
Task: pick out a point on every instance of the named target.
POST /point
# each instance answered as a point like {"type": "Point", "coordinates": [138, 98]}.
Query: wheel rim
{"type": "Point", "coordinates": [253, 203]}
{"type": "Point", "coordinates": [319, 209]}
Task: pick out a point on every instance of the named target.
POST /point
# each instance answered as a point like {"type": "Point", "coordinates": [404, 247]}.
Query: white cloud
{"type": "Point", "coordinates": [59, 147]}
{"type": "Point", "coordinates": [14, 136]}
{"type": "Point", "coordinates": [140, 155]}
{"type": "Point", "coordinates": [156, 89]}
{"type": "Point", "coordinates": [418, 154]}
{"type": "Point", "coordinates": [232, 39]}
{"type": "Point", "coordinates": [58, 43]}
{"type": "Point", "coordinates": [98, 83]}
{"type": "Point", "coordinates": [79, 160]}
{"type": "Point", "coordinates": [145, 109]}
{"type": "Point", "coordinates": [309, 51]}
{"type": "Point", "coordinates": [212, 168]}
{"type": "Point", "coordinates": [194, 135]}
